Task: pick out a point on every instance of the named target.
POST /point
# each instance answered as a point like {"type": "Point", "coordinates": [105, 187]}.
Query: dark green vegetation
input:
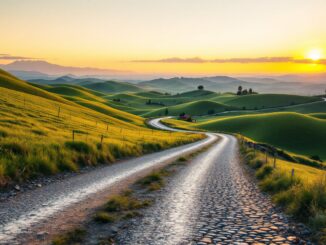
{"type": "Point", "coordinates": [301, 134]}
{"type": "Point", "coordinates": [73, 237]}
{"type": "Point", "coordinates": [302, 196]}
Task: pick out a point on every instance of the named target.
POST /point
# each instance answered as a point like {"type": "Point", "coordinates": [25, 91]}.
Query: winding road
{"type": "Point", "coordinates": [212, 200]}
{"type": "Point", "coordinates": [48, 209]}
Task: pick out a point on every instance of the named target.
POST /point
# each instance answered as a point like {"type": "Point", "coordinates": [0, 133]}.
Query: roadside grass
{"type": "Point", "coordinates": [299, 189]}
{"type": "Point", "coordinates": [121, 206]}
{"type": "Point", "coordinates": [39, 136]}
{"type": "Point", "coordinates": [131, 202]}
{"type": "Point", "coordinates": [73, 237]}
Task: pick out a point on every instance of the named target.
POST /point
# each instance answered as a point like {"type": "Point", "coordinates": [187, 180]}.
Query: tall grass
{"type": "Point", "coordinates": [302, 195]}
{"type": "Point", "coordinates": [42, 137]}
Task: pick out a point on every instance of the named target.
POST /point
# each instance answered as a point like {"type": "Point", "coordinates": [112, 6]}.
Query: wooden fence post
{"type": "Point", "coordinates": [102, 139]}
{"type": "Point", "coordinates": [73, 135]}
{"type": "Point", "coordinates": [266, 159]}
{"type": "Point", "coordinates": [274, 160]}
{"type": "Point", "coordinates": [292, 174]}
{"type": "Point", "coordinates": [59, 111]}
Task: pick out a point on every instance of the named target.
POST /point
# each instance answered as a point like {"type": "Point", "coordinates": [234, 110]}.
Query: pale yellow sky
{"type": "Point", "coordinates": [109, 34]}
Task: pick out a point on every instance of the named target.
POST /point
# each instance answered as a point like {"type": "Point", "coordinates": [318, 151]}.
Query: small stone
{"type": "Point", "coordinates": [207, 240]}
{"type": "Point", "coordinates": [39, 185]}
{"type": "Point", "coordinates": [17, 187]}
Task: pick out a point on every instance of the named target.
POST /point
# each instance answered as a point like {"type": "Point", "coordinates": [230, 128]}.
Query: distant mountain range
{"type": "Point", "coordinates": [43, 72]}
{"type": "Point", "coordinates": [231, 84]}
{"type": "Point", "coordinates": [48, 69]}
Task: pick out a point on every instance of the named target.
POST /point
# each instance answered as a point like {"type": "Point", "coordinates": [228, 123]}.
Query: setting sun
{"type": "Point", "coordinates": [315, 54]}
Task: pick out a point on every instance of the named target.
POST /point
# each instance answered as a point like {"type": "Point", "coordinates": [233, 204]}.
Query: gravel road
{"type": "Point", "coordinates": [212, 201]}
{"type": "Point", "coordinates": [22, 215]}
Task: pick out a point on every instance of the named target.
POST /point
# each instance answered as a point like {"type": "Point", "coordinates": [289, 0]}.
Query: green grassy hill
{"type": "Point", "coordinates": [261, 101]}
{"type": "Point", "coordinates": [294, 132]}
{"type": "Point", "coordinates": [113, 87]}
{"type": "Point", "coordinates": [74, 91]}
{"type": "Point", "coordinates": [42, 133]}
{"type": "Point", "coordinates": [318, 115]}
{"type": "Point", "coordinates": [11, 82]}
{"type": "Point", "coordinates": [193, 108]}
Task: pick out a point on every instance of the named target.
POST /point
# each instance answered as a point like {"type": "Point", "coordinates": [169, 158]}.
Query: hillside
{"type": "Point", "coordinates": [261, 101]}
{"type": "Point", "coordinates": [201, 107]}
{"type": "Point", "coordinates": [291, 131]}
{"type": "Point", "coordinates": [112, 87]}
{"type": "Point", "coordinates": [11, 82]}
{"type": "Point", "coordinates": [75, 91]}
{"type": "Point", "coordinates": [42, 133]}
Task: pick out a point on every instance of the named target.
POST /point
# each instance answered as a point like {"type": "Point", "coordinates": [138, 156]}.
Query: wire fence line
{"type": "Point", "coordinates": [80, 124]}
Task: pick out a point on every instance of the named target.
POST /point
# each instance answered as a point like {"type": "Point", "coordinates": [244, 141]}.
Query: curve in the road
{"type": "Point", "coordinates": [211, 201]}
{"type": "Point", "coordinates": [19, 214]}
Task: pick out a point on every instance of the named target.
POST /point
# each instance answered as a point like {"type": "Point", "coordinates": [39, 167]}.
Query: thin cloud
{"type": "Point", "coordinates": [13, 57]}
{"type": "Point", "coordinates": [234, 60]}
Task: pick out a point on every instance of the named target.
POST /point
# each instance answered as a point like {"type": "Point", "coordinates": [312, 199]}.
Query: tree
{"type": "Point", "coordinates": [239, 90]}
{"type": "Point", "coordinates": [200, 87]}
{"type": "Point", "coordinates": [245, 91]}
{"type": "Point", "coordinates": [250, 91]}
{"type": "Point", "coordinates": [166, 111]}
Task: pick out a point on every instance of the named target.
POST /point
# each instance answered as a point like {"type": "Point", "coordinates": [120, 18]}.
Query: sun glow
{"type": "Point", "coordinates": [315, 54]}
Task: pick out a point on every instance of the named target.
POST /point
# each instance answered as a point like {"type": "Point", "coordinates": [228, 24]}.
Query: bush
{"type": "Point", "coordinates": [278, 182]}
{"type": "Point", "coordinates": [3, 133]}
{"type": "Point", "coordinates": [104, 217]}
{"type": "Point", "coordinates": [256, 163]}
{"type": "Point", "coordinates": [15, 148]}
{"type": "Point", "coordinates": [79, 146]}
{"type": "Point", "coordinates": [73, 237]}
{"type": "Point", "coordinates": [124, 203]}
{"type": "Point", "coordinates": [264, 171]}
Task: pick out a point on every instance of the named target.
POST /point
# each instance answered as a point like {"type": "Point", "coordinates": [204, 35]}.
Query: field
{"type": "Point", "coordinates": [43, 133]}
{"type": "Point", "coordinates": [294, 132]}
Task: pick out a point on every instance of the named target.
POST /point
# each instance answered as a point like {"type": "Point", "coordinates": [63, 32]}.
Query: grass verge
{"type": "Point", "coordinates": [299, 189]}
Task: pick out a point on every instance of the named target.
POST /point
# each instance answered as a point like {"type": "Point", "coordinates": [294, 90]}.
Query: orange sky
{"type": "Point", "coordinates": [110, 34]}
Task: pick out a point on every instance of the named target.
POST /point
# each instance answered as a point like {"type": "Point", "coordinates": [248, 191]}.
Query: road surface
{"type": "Point", "coordinates": [25, 215]}
{"type": "Point", "coordinates": [211, 201]}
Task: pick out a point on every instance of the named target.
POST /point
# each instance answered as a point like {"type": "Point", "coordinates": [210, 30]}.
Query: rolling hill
{"type": "Point", "coordinates": [261, 101]}
{"type": "Point", "coordinates": [42, 133]}
{"type": "Point", "coordinates": [113, 87]}
{"type": "Point", "coordinates": [11, 82]}
{"type": "Point", "coordinates": [201, 107]}
{"type": "Point", "coordinates": [294, 132]}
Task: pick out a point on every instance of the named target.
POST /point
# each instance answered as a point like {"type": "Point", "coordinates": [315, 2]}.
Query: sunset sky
{"type": "Point", "coordinates": [170, 36]}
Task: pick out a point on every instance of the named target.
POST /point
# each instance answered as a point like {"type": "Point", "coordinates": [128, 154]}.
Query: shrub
{"type": "Point", "coordinates": [79, 146]}
{"type": "Point", "coordinates": [278, 182]}
{"type": "Point", "coordinates": [73, 237]}
{"type": "Point", "coordinates": [3, 133]}
{"type": "Point", "coordinates": [256, 163]}
{"type": "Point", "coordinates": [104, 217]}
{"type": "Point", "coordinates": [124, 203]}
{"type": "Point", "coordinates": [151, 178]}
{"type": "Point", "coordinates": [264, 171]}
{"type": "Point", "coordinates": [15, 148]}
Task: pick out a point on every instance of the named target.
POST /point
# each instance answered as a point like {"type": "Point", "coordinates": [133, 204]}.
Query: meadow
{"type": "Point", "coordinates": [42, 133]}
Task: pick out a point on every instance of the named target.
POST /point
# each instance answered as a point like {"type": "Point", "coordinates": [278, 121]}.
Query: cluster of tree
{"type": "Point", "coordinates": [245, 91]}
{"type": "Point", "coordinates": [117, 100]}
{"type": "Point", "coordinates": [150, 102]}
{"type": "Point", "coordinates": [200, 87]}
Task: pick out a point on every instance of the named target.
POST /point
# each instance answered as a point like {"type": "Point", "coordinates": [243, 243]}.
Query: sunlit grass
{"type": "Point", "coordinates": [42, 136]}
